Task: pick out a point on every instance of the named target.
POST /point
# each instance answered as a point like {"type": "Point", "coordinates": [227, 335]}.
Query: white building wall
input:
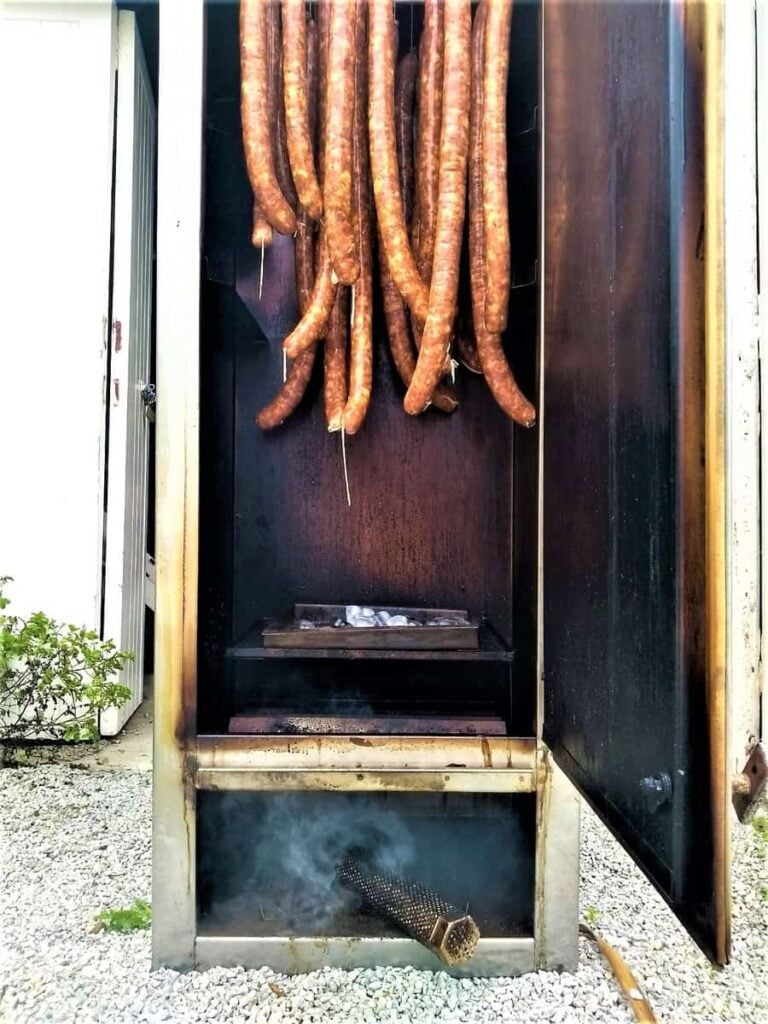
{"type": "Point", "coordinates": [56, 122]}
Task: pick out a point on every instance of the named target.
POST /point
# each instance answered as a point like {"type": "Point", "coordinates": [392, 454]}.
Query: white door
{"type": "Point", "coordinates": [130, 364]}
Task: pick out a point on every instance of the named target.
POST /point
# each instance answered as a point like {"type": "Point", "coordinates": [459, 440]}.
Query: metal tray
{"type": "Point", "coordinates": [403, 638]}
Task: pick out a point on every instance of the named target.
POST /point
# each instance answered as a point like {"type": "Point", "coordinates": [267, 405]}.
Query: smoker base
{"type": "Point", "coordinates": [494, 957]}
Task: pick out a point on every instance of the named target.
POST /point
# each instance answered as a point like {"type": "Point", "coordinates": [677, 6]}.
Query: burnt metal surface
{"type": "Point", "coordinates": [750, 787]}
{"type": "Point", "coordinates": [625, 656]}
{"type": "Point", "coordinates": [286, 723]}
{"type": "Point", "coordinates": [365, 752]}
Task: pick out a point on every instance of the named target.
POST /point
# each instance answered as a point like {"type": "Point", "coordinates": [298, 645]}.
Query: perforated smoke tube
{"type": "Point", "coordinates": [431, 920]}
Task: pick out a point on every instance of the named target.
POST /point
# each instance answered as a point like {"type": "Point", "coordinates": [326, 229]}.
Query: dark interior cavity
{"type": "Point", "coordinates": [267, 862]}
{"type": "Point", "coordinates": [443, 508]}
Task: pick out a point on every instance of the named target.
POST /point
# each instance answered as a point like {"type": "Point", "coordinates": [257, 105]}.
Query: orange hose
{"type": "Point", "coordinates": [626, 979]}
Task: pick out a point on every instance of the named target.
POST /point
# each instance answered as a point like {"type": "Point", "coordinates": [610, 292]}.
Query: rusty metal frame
{"type": "Point", "coordinates": [558, 807]}
{"type": "Point", "coordinates": [366, 752]}
{"type": "Point", "coordinates": [470, 780]}
{"type": "Point", "coordinates": [181, 92]}
{"type": "Point", "coordinates": [715, 467]}
{"type": "Point", "coordinates": [556, 897]}
{"type": "Point", "coordinates": [183, 762]}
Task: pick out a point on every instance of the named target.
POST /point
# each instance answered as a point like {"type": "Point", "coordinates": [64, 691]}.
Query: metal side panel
{"type": "Point", "coordinates": [493, 958]}
{"type": "Point", "coordinates": [558, 825]}
{"type": "Point", "coordinates": [178, 355]}
{"type": "Point", "coordinates": [634, 587]}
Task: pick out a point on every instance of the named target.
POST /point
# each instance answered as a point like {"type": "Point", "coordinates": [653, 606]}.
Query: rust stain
{"type": "Point", "coordinates": [117, 389]}
{"type": "Point", "coordinates": [117, 329]}
{"type": "Point", "coordinates": [486, 749]}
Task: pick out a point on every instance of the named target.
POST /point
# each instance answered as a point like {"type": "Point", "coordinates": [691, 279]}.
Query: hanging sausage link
{"type": "Point", "coordinates": [361, 329]}
{"type": "Point", "coordinates": [494, 132]}
{"type": "Point", "coordinates": [257, 130]}
{"type": "Point", "coordinates": [493, 362]}
{"type": "Point", "coordinates": [296, 97]}
{"type": "Point", "coordinates": [454, 146]}
{"type": "Point", "coordinates": [383, 150]}
{"type": "Point", "coordinates": [339, 119]}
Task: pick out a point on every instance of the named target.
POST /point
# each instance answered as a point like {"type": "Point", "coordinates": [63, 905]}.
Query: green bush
{"type": "Point", "coordinates": [54, 679]}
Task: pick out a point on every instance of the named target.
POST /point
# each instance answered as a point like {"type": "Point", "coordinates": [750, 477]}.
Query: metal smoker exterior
{"type": "Point", "coordinates": [572, 724]}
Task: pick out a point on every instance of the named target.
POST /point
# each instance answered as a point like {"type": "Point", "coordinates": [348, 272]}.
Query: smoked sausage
{"type": "Point", "coordinates": [428, 134]}
{"type": "Point", "coordinates": [261, 236]}
{"type": "Point", "coordinates": [314, 320]}
{"type": "Point", "coordinates": [495, 210]}
{"type": "Point", "coordinates": [291, 392]}
{"type": "Point", "coordinates": [395, 246]}
{"type": "Point", "coordinates": [490, 353]}
{"type": "Point", "coordinates": [405, 90]}
{"type": "Point", "coordinates": [339, 112]}
{"type": "Point", "coordinates": [335, 361]}
{"type": "Point", "coordinates": [361, 329]}
{"type": "Point", "coordinates": [296, 90]}
{"type": "Point", "coordinates": [443, 397]}
{"type": "Point", "coordinates": [257, 131]}
{"type": "Point", "coordinates": [454, 146]}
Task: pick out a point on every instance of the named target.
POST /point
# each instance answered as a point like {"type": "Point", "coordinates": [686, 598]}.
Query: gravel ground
{"type": "Point", "coordinates": [73, 842]}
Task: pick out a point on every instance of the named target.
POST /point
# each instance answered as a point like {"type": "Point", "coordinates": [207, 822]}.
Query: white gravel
{"type": "Point", "coordinates": [73, 842]}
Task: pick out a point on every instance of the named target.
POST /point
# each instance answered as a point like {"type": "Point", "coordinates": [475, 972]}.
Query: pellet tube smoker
{"type": "Point", "coordinates": [589, 551]}
{"type": "Point", "coordinates": [450, 933]}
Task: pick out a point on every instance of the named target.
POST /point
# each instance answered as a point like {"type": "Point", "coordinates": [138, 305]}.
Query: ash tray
{"type": "Point", "coordinates": [412, 629]}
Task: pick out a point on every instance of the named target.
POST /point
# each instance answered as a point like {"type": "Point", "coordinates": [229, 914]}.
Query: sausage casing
{"type": "Point", "coordinates": [296, 99]}
{"type": "Point", "coordinates": [314, 320]}
{"type": "Point", "coordinates": [443, 397]}
{"type": "Point", "coordinates": [291, 392]}
{"type": "Point", "coordinates": [339, 110]}
{"type": "Point", "coordinates": [335, 361]}
{"type": "Point", "coordinates": [277, 105]}
{"type": "Point", "coordinates": [395, 246]}
{"type": "Point", "coordinates": [495, 207]}
{"type": "Point", "coordinates": [361, 328]}
{"type": "Point", "coordinates": [454, 147]}
{"type": "Point", "coordinates": [493, 362]}
{"type": "Point", "coordinates": [405, 91]}
{"type": "Point", "coordinates": [428, 134]}
{"type": "Point", "coordinates": [261, 236]}
{"type": "Point", "coordinates": [257, 130]}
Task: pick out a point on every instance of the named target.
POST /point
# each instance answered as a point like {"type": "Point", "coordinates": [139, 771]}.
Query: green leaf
{"type": "Point", "coordinates": [55, 678]}
{"type": "Point", "coordinates": [129, 919]}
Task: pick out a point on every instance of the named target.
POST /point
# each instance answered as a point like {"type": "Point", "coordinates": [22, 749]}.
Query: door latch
{"type": "Point", "coordinates": [149, 398]}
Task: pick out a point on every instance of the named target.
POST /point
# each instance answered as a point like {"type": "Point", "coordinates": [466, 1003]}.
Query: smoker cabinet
{"type": "Point", "coordinates": [592, 546]}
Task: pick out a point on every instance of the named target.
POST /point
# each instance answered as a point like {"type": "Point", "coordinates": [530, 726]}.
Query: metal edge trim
{"type": "Point", "coordinates": [493, 958]}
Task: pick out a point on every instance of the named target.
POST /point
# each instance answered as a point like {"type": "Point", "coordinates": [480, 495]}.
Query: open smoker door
{"type": "Point", "coordinates": [633, 443]}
